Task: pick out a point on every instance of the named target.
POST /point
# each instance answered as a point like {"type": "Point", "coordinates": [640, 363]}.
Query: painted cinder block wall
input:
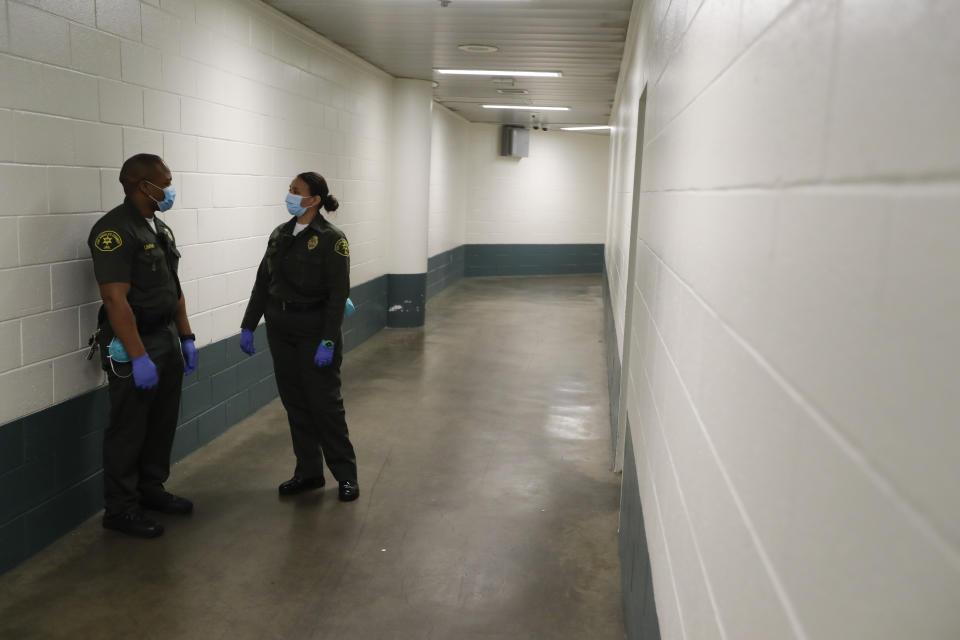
{"type": "Point", "coordinates": [235, 96]}
{"type": "Point", "coordinates": [557, 195]}
{"type": "Point", "coordinates": [492, 215]}
{"type": "Point", "coordinates": [792, 388]}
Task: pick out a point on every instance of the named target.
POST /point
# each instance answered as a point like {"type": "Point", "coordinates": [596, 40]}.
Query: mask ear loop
{"type": "Point", "coordinates": [112, 368]}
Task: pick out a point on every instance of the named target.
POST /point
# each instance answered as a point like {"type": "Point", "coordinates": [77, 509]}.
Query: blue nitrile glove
{"type": "Point", "coordinates": [190, 355]}
{"type": "Point", "coordinates": [246, 342]}
{"type": "Point", "coordinates": [145, 372]}
{"type": "Point", "coordinates": [348, 311]}
{"type": "Point", "coordinates": [324, 354]}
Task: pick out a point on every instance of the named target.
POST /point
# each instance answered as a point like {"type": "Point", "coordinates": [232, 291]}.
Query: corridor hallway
{"type": "Point", "coordinates": [487, 510]}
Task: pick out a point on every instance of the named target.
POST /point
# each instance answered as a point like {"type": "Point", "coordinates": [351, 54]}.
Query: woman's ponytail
{"type": "Point", "coordinates": [318, 187]}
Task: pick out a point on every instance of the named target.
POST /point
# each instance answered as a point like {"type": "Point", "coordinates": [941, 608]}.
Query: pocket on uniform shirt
{"type": "Point", "coordinates": [149, 269]}
{"type": "Point", "coordinates": [310, 271]}
{"type": "Point", "coordinates": [174, 258]}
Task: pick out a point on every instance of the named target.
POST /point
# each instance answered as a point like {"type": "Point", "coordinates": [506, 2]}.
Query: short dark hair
{"type": "Point", "coordinates": [318, 187]}
{"type": "Point", "coordinates": [137, 168]}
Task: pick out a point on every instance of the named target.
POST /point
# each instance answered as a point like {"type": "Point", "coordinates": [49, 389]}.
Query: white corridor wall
{"type": "Point", "coordinates": [235, 96]}
{"type": "Point", "coordinates": [557, 195]}
{"type": "Point", "coordinates": [792, 389]}
{"type": "Point", "coordinates": [449, 180]}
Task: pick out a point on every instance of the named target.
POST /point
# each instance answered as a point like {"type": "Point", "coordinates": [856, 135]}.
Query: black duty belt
{"type": "Point", "coordinates": [150, 324]}
{"type": "Point", "coordinates": [286, 305]}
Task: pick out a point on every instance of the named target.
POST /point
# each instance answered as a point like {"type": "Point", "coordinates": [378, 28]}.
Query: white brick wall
{"type": "Point", "coordinates": [794, 353]}
{"type": "Point", "coordinates": [237, 97]}
{"type": "Point", "coordinates": [557, 195]}
{"type": "Point", "coordinates": [449, 180]}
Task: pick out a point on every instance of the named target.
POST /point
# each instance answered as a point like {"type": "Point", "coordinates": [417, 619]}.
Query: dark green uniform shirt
{"type": "Point", "coordinates": [311, 268]}
{"type": "Point", "coordinates": [125, 248]}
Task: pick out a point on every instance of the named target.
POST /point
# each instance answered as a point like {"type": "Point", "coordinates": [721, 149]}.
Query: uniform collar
{"type": "Point", "coordinates": [135, 213]}
{"type": "Point", "coordinates": [319, 223]}
{"type": "Point", "coordinates": [131, 208]}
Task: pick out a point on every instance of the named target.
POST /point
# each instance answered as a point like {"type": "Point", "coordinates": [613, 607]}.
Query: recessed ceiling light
{"type": "Point", "coordinates": [487, 72]}
{"type": "Point", "coordinates": [591, 128]}
{"type": "Point", "coordinates": [524, 107]}
{"type": "Point", "coordinates": [478, 48]}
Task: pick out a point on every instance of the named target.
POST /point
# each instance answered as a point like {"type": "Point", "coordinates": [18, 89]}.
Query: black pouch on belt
{"type": "Point", "coordinates": [100, 339]}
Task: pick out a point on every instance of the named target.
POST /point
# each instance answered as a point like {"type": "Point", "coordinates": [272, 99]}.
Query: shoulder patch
{"type": "Point", "coordinates": [342, 247]}
{"type": "Point", "coordinates": [169, 233]}
{"type": "Point", "coordinates": [313, 242]}
{"type": "Point", "coordinates": [108, 241]}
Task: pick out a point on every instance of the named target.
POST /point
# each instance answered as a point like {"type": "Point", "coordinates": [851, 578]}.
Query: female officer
{"type": "Point", "coordinates": [301, 289]}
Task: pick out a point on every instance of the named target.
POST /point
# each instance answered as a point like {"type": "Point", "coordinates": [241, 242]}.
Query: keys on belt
{"type": "Point", "coordinates": [93, 343]}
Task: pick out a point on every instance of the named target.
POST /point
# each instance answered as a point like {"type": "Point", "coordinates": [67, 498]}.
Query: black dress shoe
{"type": "Point", "coordinates": [296, 485]}
{"type": "Point", "coordinates": [133, 523]}
{"type": "Point", "coordinates": [166, 503]}
{"type": "Point", "coordinates": [349, 491]}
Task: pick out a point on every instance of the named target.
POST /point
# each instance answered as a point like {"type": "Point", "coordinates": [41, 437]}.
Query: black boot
{"type": "Point", "coordinates": [349, 491]}
{"type": "Point", "coordinates": [133, 523]}
{"type": "Point", "coordinates": [296, 485]}
{"type": "Point", "coordinates": [166, 503]}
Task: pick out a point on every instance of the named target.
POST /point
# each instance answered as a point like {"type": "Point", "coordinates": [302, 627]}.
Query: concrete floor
{"type": "Point", "coordinates": [487, 506]}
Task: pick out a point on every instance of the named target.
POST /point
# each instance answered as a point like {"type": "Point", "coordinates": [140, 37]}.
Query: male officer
{"type": "Point", "coordinates": [146, 347]}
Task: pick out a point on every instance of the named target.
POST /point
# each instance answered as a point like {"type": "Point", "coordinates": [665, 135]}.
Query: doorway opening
{"type": "Point", "coordinates": [630, 299]}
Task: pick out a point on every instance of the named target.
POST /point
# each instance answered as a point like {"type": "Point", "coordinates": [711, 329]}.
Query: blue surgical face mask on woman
{"type": "Point", "coordinates": [293, 205]}
{"type": "Point", "coordinates": [169, 195]}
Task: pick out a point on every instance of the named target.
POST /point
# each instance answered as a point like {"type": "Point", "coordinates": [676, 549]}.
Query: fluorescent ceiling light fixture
{"type": "Point", "coordinates": [478, 48]}
{"type": "Point", "coordinates": [592, 128]}
{"type": "Point", "coordinates": [489, 72]}
{"type": "Point", "coordinates": [523, 107]}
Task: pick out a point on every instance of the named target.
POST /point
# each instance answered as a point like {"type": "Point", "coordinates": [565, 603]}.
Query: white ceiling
{"type": "Point", "coordinates": [584, 39]}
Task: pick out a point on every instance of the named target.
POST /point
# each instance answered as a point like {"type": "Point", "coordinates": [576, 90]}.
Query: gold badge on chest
{"type": "Point", "coordinates": [313, 242]}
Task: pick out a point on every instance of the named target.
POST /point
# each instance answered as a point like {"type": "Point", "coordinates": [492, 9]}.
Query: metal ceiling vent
{"type": "Point", "coordinates": [513, 92]}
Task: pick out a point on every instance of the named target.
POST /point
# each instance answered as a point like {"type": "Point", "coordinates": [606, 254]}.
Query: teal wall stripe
{"type": "Point", "coordinates": [532, 259]}
{"type": "Point", "coordinates": [406, 300]}
{"type": "Point", "coordinates": [613, 361]}
{"type": "Point", "coordinates": [445, 269]}
{"type": "Point", "coordinates": [639, 605]}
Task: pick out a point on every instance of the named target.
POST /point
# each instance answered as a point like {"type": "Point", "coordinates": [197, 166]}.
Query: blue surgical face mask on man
{"type": "Point", "coordinates": [169, 195]}
{"type": "Point", "coordinates": [293, 205]}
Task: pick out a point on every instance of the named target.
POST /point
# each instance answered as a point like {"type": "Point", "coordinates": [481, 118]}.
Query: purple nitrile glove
{"type": "Point", "coordinates": [190, 356]}
{"type": "Point", "coordinates": [324, 355]}
{"type": "Point", "coordinates": [145, 372]}
{"type": "Point", "coordinates": [246, 342]}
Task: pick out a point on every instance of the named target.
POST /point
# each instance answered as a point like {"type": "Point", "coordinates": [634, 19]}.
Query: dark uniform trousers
{"type": "Point", "coordinates": [143, 422]}
{"type": "Point", "coordinates": [311, 396]}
